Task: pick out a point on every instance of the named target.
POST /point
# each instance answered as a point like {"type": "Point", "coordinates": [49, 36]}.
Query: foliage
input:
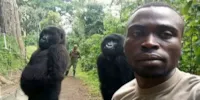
{"type": "Point", "coordinates": [53, 18]}
{"type": "Point", "coordinates": [90, 44]}
{"type": "Point", "coordinates": [40, 12]}
{"type": "Point", "coordinates": [30, 50]}
{"type": "Point", "coordinates": [74, 39]}
{"type": "Point", "coordinates": [91, 23]}
{"type": "Point", "coordinates": [10, 57]}
{"type": "Point", "coordinates": [69, 8]}
{"type": "Point", "coordinates": [191, 43]}
{"type": "Point", "coordinates": [88, 18]}
{"type": "Point", "coordinates": [93, 17]}
{"type": "Point", "coordinates": [46, 4]}
{"type": "Point", "coordinates": [127, 8]}
{"type": "Point", "coordinates": [90, 49]}
{"type": "Point", "coordinates": [30, 19]}
{"type": "Point", "coordinates": [191, 48]}
{"type": "Point", "coordinates": [31, 39]}
{"type": "Point", "coordinates": [78, 25]}
{"type": "Point", "coordinates": [113, 25]}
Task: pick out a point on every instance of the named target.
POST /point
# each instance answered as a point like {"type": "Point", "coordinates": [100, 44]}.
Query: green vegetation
{"type": "Point", "coordinates": [191, 44]}
{"type": "Point", "coordinates": [90, 22]}
{"type": "Point", "coordinates": [30, 50]}
{"type": "Point", "coordinates": [9, 55]}
{"type": "Point", "coordinates": [91, 80]}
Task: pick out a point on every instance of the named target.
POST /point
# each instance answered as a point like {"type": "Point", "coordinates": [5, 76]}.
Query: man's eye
{"type": "Point", "coordinates": [166, 34]}
{"type": "Point", "coordinates": [137, 33]}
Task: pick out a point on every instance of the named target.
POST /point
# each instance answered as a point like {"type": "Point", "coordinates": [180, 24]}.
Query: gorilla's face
{"type": "Point", "coordinates": [112, 45]}
{"type": "Point", "coordinates": [50, 36]}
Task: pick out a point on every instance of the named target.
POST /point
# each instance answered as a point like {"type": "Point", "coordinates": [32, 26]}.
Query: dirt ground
{"type": "Point", "coordinates": [72, 89]}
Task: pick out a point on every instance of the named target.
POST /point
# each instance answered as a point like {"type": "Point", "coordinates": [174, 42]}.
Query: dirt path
{"type": "Point", "coordinates": [72, 89]}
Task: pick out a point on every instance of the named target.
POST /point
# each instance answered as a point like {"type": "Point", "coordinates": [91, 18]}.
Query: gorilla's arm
{"type": "Point", "coordinates": [100, 67]}
{"type": "Point", "coordinates": [126, 72]}
{"type": "Point", "coordinates": [57, 61]}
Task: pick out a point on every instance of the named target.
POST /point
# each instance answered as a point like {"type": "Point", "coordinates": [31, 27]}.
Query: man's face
{"type": "Point", "coordinates": [153, 41]}
{"type": "Point", "coordinates": [75, 48]}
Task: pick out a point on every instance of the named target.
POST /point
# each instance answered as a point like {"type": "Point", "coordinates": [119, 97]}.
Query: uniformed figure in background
{"type": "Point", "coordinates": [74, 55]}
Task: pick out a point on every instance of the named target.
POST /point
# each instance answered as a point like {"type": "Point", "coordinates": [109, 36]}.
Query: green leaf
{"type": "Point", "coordinates": [187, 7]}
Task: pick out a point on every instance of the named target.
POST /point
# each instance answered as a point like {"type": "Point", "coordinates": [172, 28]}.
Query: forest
{"type": "Point", "coordinates": [86, 23]}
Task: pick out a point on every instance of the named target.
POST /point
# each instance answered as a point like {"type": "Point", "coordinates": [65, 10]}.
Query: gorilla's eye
{"type": "Point", "coordinates": [111, 45]}
{"type": "Point", "coordinates": [45, 37]}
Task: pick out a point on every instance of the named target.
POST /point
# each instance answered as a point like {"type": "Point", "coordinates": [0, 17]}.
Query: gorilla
{"type": "Point", "coordinates": [112, 66]}
{"type": "Point", "coordinates": [41, 78]}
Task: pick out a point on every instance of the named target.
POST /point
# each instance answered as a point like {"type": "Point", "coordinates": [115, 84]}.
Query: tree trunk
{"type": "Point", "coordinates": [10, 23]}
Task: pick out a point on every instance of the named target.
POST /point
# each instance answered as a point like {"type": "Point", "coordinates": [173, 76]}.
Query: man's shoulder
{"type": "Point", "coordinates": [126, 90]}
{"type": "Point", "coordinates": [191, 80]}
{"type": "Point", "coordinates": [193, 84]}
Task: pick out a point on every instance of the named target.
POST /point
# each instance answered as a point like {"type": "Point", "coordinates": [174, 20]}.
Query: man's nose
{"type": "Point", "coordinates": [150, 43]}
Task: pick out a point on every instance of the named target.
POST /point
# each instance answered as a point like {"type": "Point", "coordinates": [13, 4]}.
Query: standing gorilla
{"type": "Point", "coordinates": [41, 78]}
{"type": "Point", "coordinates": [113, 69]}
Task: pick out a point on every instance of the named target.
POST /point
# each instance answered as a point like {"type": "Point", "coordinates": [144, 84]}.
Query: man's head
{"type": "Point", "coordinates": [75, 47]}
{"type": "Point", "coordinates": [153, 42]}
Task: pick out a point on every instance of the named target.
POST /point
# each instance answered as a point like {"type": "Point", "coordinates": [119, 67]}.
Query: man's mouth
{"type": "Point", "coordinates": [149, 57]}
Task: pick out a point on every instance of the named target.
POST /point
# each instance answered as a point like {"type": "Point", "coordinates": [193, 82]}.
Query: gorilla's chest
{"type": "Point", "coordinates": [37, 67]}
{"type": "Point", "coordinates": [40, 58]}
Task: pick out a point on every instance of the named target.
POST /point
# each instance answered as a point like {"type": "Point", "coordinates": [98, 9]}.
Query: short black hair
{"type": "Point", "coordinates": [156, 4]}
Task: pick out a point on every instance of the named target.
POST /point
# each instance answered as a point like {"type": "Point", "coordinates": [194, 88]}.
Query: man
{"type": "Point", "coordinates": [74, 55]}
{"type": "Point", "coordinates": [153, 48]}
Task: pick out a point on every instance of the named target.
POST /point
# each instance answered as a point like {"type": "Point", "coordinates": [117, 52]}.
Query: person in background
{"type": "Point", "coordinates": [74, 55]}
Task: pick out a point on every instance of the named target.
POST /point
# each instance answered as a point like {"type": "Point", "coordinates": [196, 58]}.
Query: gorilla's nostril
{"type": "Point", "coordinates": [42, 40]}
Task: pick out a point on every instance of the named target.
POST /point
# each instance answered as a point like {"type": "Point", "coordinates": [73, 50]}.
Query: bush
{"type": "Point", "coordinates": [90, 49]}
{"type": "Point", "coordinates": [31, 39]}
{"type": "Point", "coordinates": [10, 57]}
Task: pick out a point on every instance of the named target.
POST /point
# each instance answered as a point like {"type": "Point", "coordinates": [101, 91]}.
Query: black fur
{"type": "Point", "coordinates": [41, 78]}
{"type": "Point", "coordinates": [113, 69]}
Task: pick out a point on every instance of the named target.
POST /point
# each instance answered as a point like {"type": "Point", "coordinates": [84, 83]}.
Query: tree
{"type": "Point", "coordinates": [9, 21]}
{"type": "Point", "coordinates": [30, 19]}
{"type": "Point", "coordinates": [53, 18]}
{"type": "Point", "coordinates": [93, 17]}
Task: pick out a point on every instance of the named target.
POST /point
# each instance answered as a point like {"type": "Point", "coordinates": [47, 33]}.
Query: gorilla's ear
{"type": "Point", "coordinates": [61, 35]}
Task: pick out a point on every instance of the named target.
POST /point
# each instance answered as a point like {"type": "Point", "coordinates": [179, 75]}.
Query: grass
{"type": "Point", "coordinates": [30, 50]}
{"type": "Point", "coordinates": [91, 80]}
{"type": "Point", "coordinates": [10, 61]}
